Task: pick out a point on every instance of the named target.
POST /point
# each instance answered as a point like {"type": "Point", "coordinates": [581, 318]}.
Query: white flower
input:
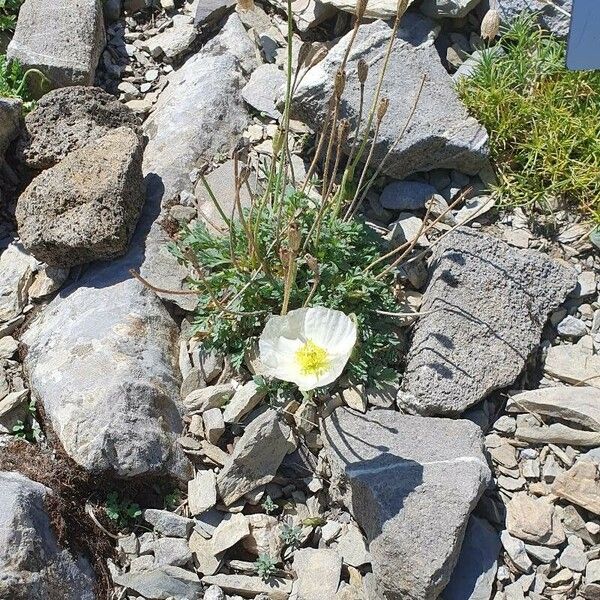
{"type": "Point", "coordinates": [309, 346]}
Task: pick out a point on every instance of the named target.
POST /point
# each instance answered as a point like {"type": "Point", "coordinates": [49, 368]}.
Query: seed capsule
{"type": "Point", "coordinates": [490, 26]}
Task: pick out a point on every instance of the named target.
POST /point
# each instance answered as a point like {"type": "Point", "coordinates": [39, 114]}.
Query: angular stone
{"type": "Point", "coordinates": [352, 547]}
{"type": "Point", "coordinates": [255, 458]}
{"type": "Point", "coordinates": [573, 558]}
{"type": "Point", "coordinates": [549, 16]}
{"type": "Point", "coordinates": [206, 398]}
{"type": "Point", "coordinates": [233, 528]}
{"type": "Point", "coordinates": [206, 561]}
{"type": "Point", "coordinates": [376, 9]}
{"type": "Point", "coordinates": [17, 268]}
{"type": "Point", "coordinates": [211, 11]}
{"type": "Point", "coordinates": [393, 472]}
{"type": "Point", "coordinates": [48, 281]}
{"type": "Point", "coordinates": [557, 433]}
{"type": "Point", "coordinates": [65, 219]}
{"type": "Point", "coordinates": [318, 573]}
{"type": "Point", "coordinates": [455, 9]}
{"type": "Point", "coordinates": [198, 115]}
{"type": "Point", "coordinates": [171, 551]}
{"type": "Point", "coordinates": [274, 588]}
{"type": "Point", "coordinates": [12, 410]}
{"type": "Point", "coordinates": [516, 551]}
{"type": "Point", "coordinates": [264, 537]}
{"type": "Point", "coordinates": [162, 583]}
{"type": "Point", "coordinates": [308, 13]}
{"type": "Point", "coordinates": [32, 563]}
{"type": "Point", "coordinates": [168, 523]}
{"type": "Point", "coordinates": [580, 485]}
{"type": "Point", "coordinates": [484, 309]}
{"type": "Point", "coordinates": [102, 359]}
{"type": "Point", "coordinates": [534, 520]}
{"type": "Point", "coordinates": [441, 133]}
{"type": "Point", "coordinates": [571, 365]}
{"type": "Point", "coordinates": [172, 42]}
{"type": "Point", "coordinates": [10, 121]}
{"type": "Point", "coordinates": [262, 90]}
{"type": "Point", "coordinates": [475, 571]}
{"type": "Point", "coordinates": [406, 195]}
{"type": "Point", "coordinates": [214, 426]}
{"type": "Point", "coordinates": [67, 119]}
{"type": "Point", "coordinates": [579, 404]}
{"type": "Point", "coordinates": [202, 492]}
{"type": "Point", "coordinates": [67, 52]}
{"type": "Point", "coordinates": [244, 400]}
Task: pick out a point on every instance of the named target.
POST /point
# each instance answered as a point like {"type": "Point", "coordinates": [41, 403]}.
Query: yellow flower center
{"type": "Point", "coordinates": [313, 359]}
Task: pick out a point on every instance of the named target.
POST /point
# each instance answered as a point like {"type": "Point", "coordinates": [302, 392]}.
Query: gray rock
{"type": "Point", "coordinates": [171, 551]}
{"type": "Point", "coordinates": [102, 359]}
{"type": "Point", "coordinates": [571, 365]}
{"type": "Point", "coordinates": [17, 270]}
{"type": "Point", "coordinates": [441, 133]}
{"type": "Point", "coordinates": [173, 42]}
{"type": "Point", "coordinates": [251, 587]}
{"type": "Point", "coordinates": [214, 592]}
{"type": "Point", "coordinates": [198, 115]}
{"type": "Point", "coordinates": [10, 122]}
{"type": "Point", "coordinates": [516, 551]}
{"type": "Point", "coordinates": [573, 558]}
{"type": "Point", "coordinates": [255, 458]}
{"type": "Point", "coordinates": [32, 563]}
{"type": "Point", "coordinates": [475, 571]}
{"type": "Point", "coordinates": [577, 404]}
{"type": "Point", "coordinates": [549, 16]}
{"type": "Point", "coordinates": [571, 327]}
{"type": "Point", "coordinates": [309, 13]}
{"type": "Point", "coordinates": [486, 304]}
{"type": "Point", "coordinates": [406, 195]}
{"type": "Point", "coordinates": [65, 219]}
{"type": "Point", "coordinates": [318, 573]}
{"type": "Point", "coordinates": [210, 11]}
{"type": "Point", "coordinates": [263, 89]}
{"type": "Point", "coordinates": [64, 40]}
{"type": "Point", "coordinates": [162, 583]}
{"type": "Point", "coordinates": [169, 524]}
{"type": "Point", "coordinates": [393, 472]}
{"type": "Point", "coordinates": [67, 119]}
{"type": "Point", "coordinates": [448, 8]}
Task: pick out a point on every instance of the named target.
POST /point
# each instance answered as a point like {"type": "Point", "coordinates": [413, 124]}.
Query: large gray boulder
{"type": "Point", "coordinates": [10, 122]}
{"type": "Point", "coordinates": [86, 207]}
{"type": "Point", "coordinates": [67, 119]}
{"type": "Point", "coordinates": [62, 39]}
{"type": "Point", "coordinates": [484, 309]}
{"type": "Point", "coordinates": [32, 564]}
{"type": "Point", "coordinates": [102, 359]}
{"type": "Point", "coordinates": [441, 132]}
{"type": "Point", "coordinates": [200, 114]}
{"type": "Point", "coordinates": [411, 483]}
{"type": "Point", "coordinates": [550, 15]}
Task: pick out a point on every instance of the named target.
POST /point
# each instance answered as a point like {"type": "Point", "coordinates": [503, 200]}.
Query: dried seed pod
{"type": "Point", "coordinates": [294, 237]}
{"type": "Point", "coordinates": [340, 83]}
{"type": "Point", "coordinates": [384, 104]}
{"type": "Point", "coordinates": [312, 263]}
{"type": "Point", "coordinates": [363, 70]}
{"type": "Point", "coordinates": [490, 26]}
{"type": "Point", "coordinates": [343, 130]}
{"type": "Point", "coordinates": [361, 7]}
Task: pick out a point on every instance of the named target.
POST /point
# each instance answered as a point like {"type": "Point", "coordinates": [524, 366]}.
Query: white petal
{"type": "Point", "coordinates": [330, 329]}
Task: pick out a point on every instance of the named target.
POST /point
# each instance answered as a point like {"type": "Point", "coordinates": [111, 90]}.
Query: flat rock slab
{"type": "Point", "coordinates": [475, 572]}
{"type": "Point", "coordinates": [441, 133]}
{"type": "Point", "coordinates": [579, 405]}
{"type": "Point", "coordinates": [484, 310]}
{"type": "Point", "coordinates": [162, 583]}
{"type": "Point", "coordinates": [62, 39]}
{"type": "Point", "coordinates": [318, 573]}
{"type": "Point", "coordinates": [102, 359]}
{"type": "Point", "coordinates": [411, 483]}
{"type": "Point", "coordinates": [570, 364]}
{"type": "Point", "coordinates": [32, 564]}
{"type": "Point", "coordinates": [200, 113]}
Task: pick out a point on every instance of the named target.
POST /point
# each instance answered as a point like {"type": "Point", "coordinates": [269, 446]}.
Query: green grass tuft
{"type": "Point", "coordinates": [9, 10]}
{"type": "Point", "coordinates": [543, 121]}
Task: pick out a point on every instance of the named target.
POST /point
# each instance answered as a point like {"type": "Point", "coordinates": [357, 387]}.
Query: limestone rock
{"type": "Point", "coordinates": [168, 523]}
{"type": "Point", "coordinates": [485, 306]}
{"type": "Point", "coordinates": [67, 52]}
{"type": "Point", "coordinates": [102, 359]}
{"type": "Point", "coordinates": [211, 11]}
{"type": "Point", "coordinates": [475, 571]}
{"type": "Point", "coordinates": [441, 133]}
{"type": "Point", "coordinates": [32, 563]}
{"type": "Point", "coordinates": [307, 13]}
{"type": "Point", "coordinates": [393, 472]}
{"type": "Point", "coordinates": [263, 88]}
{"type": "Point", "coordinates": [245, 399]}
{"type": "Point", "coordinates": [580, 485]}
{"type": "Point", "coordinates": [67, 119]}
{"type": "Point", "coordinates": [162, 583]}
{"type": "Point", "coordinates": [376, 9]}
{"type": "Point", "coordinates": [255, 458]}
{"type": "Point", "coordinates": [199, 114]}
{"type": "Point", "coordinates": [173, 42]}
{"type": "Point", "coordinates": [65, 219]}
{"type": "Point", "coordinates": [233, 528]}
{"type": "Point", "coordinates": [455, 9]}
{"type": "Point", "coordinates": [17, 268]}
{"type": "Point", "coordinates": [318, 573]}
{"type": "Point", "coordinates": [274, 588]}
{"type": "Point", "coordinates": [264, 536]}
{"type": "Point", "coordinates": [577, 404]}
{"type": "Point", "coordinates": [571, 365]}
{"type": "Point", "coordinates": [406, 195]}
{"type": "Point", "coordinates": [534, 520]}
{"type": "Point", "coordinates": [202, 492]}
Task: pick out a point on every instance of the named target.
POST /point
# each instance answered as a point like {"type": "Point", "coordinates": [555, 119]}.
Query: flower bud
{"type": "Point", "coordinates": [490, 26]}
{"type": "Point", "coordinates": [304, 53]}
{"type": "Point", "coordinates": [363, 71]}
{"type": "Point", "coordinates": [294, 237]}
{"type": "Point", "coordinates": [343, 129]}
{"type": "Point", "coordinates": [340, 83]}
{"type": "Point", "coordinates": [245, 5]}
